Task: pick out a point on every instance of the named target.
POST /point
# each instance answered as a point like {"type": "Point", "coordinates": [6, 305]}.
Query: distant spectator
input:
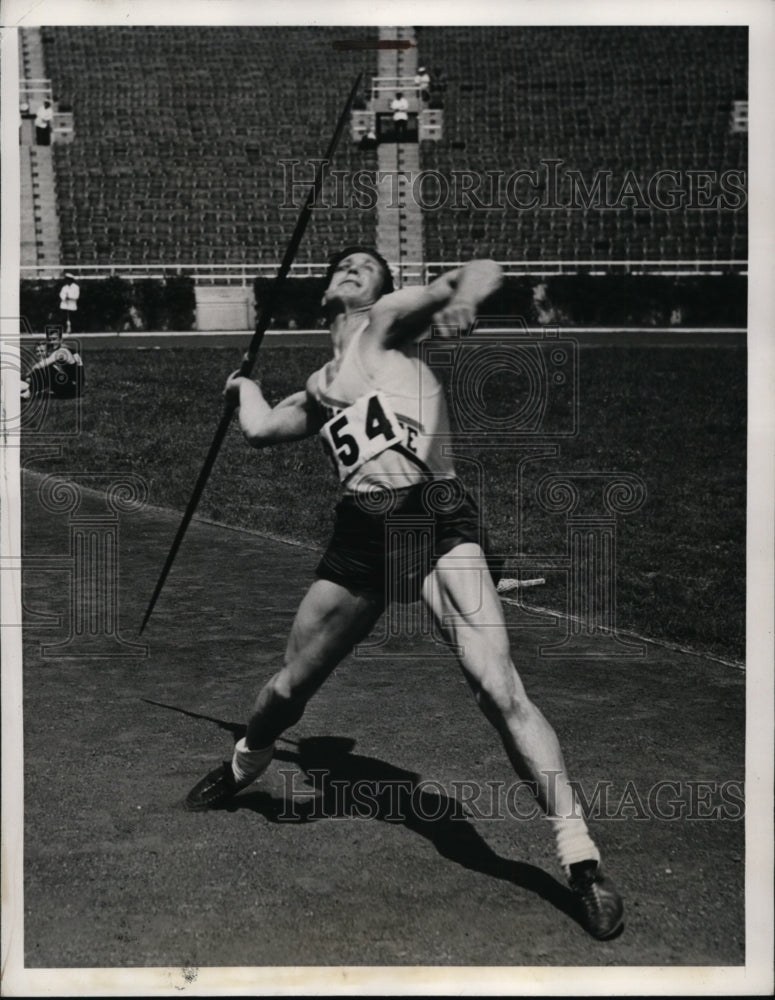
{"type": "Point", "coordinates": [544, 310]}
{"type": "Point", "coordinates": [131, 321]}
{"type": "Point", "coordinates": [58, 370]}
{"type": "Point", "coordinates": [24, 113]}
{"type": "Point", "coordinates": [400, 108]}
{"type": "Point", "coordinates": [43, 122]}
{"type": "Point", "coordinates": [68, 300]}
{"type": "Point", "coordinates": [369, 140]}
{"type": "Point", "coordinates": [422, 82]}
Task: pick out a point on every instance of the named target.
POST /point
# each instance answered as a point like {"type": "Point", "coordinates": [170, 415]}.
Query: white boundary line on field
{"type": "Point", "coordinates": [172, 514]}
{"type": "Point", "coordinates": [564, 330]}
{"type": "Point", "coordinates": [663, 643]}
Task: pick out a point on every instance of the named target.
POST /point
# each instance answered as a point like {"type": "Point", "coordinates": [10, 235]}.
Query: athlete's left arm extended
{"type": "Point", "coordinates": [263, 425]}
{"type": "Point", "coordinates": [449, 303]}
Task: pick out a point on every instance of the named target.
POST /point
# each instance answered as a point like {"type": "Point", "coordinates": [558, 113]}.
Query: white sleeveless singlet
{"type": "Point", "coordinates": [388, 430]}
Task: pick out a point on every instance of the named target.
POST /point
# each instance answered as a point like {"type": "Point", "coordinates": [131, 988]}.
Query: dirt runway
{"type": "Point", "coordinates": [388, 831]}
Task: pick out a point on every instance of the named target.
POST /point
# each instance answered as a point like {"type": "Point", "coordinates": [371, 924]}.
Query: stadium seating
{"type": "Point", "coordinates": [614, 98]}
{"type": "Point", "coordinates": [180, 134]}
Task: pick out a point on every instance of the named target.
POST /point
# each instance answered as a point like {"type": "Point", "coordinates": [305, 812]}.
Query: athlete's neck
{"type": "Point", "coordinates": [345, 325]}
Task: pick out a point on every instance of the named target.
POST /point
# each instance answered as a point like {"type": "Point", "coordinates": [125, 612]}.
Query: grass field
{"type": "Point", "coordinates": [676, 417]}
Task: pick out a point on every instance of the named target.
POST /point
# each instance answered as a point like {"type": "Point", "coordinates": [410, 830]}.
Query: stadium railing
{"type": "Point", "coordinates": [384, 88]}
{"type": "Point", "coordinates": [33, 91]}
{"type": "Point", "coordinates": [406, 271]}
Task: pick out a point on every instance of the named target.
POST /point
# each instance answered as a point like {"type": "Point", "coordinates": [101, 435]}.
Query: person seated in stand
{"type": "Point", "coordinates": [58, 370]}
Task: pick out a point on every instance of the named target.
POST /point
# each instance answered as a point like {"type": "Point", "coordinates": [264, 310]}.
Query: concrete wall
{"type": "Point", "coordinates": [224, 308]}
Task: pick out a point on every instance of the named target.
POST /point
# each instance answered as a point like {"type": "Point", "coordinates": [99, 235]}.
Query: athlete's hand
{"type": "Point", "coordinates": [231, 391]}
{"type": "Point", "coordinates": [454, 319]}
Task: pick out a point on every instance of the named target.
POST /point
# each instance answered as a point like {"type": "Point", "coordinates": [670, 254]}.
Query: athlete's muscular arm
{"type": "Point", "coordinates": [450, 302]}
{"type": "Point", "coordinates": [263, 425]}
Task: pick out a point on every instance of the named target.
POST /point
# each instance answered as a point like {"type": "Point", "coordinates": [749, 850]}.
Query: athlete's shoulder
{"type": "Point", "coordinates": [313, 384]}
{"type": "Point", "coordinates": [320, 379]}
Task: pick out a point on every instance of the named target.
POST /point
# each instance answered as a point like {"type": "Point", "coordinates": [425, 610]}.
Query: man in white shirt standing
{"type": "Point", "coordinates": [422, 82]}
{"type": "Point", "coordinates": [68, 300]}
{"type": "Point", "coordinates": [400, 108]}
{"type": "Point", "coordinates": [43, 121]}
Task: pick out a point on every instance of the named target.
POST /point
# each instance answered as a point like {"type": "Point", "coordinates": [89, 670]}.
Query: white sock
{"type": "Point", "coordinates": [246, 764]}
{"type": "Point", "coordinates": [573, 841]}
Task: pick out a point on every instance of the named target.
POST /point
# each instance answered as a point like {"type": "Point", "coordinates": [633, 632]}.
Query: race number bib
{"type": "Point", "coordinates": [360, 433]}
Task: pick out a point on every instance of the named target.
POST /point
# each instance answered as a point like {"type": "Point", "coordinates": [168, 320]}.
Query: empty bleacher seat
{"type": "Point", "coordinates": [621, 99]}
{"type": "Point", "coordinates": [180, 132]}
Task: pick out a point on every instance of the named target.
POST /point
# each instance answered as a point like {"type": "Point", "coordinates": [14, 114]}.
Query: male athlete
{"type": "Point", "coordinates": [382, 414]}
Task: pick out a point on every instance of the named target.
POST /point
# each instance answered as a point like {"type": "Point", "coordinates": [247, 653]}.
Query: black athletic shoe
{"type": "Point", "coordinates": [215, 789]}
{"type": "Point", "coordinates": [601, 910]}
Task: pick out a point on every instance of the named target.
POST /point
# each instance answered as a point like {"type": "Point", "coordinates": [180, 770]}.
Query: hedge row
{"type": "Point", "coordinates": [574, 300]}
{"type": "Point", "coordinates": [299, 303]}
{"type": "Point", "coordinates": [567, 300]}
{"type": "Point", "coordinates": [634, 300]}
{"type": "Point", "coordinates": [114, 304]}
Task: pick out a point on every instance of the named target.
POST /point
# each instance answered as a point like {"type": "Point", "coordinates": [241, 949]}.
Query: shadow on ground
{"type": "Point", "coordinates": [341, 784]}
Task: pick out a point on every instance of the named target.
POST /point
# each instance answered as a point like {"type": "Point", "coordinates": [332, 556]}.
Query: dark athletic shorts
{"type": "Point", "coordinates": [387, 541]}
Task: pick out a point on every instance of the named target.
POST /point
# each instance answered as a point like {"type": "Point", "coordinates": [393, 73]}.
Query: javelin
{"type": "Point", "coordinates": [249, 359]}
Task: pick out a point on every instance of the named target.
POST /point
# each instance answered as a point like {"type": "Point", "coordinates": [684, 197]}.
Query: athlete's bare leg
{"type": "Point", "coordinates": [461, 595]}
{"type": "Point", "coordinates": [331, 619]}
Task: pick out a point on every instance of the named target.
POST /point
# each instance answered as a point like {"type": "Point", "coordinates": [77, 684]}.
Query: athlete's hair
{"type": "Point", "coordinates": [387, 277]}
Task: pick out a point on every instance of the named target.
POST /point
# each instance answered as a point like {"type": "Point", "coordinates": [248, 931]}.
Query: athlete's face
{"type": "Point", "coordinates": [356, 281]}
